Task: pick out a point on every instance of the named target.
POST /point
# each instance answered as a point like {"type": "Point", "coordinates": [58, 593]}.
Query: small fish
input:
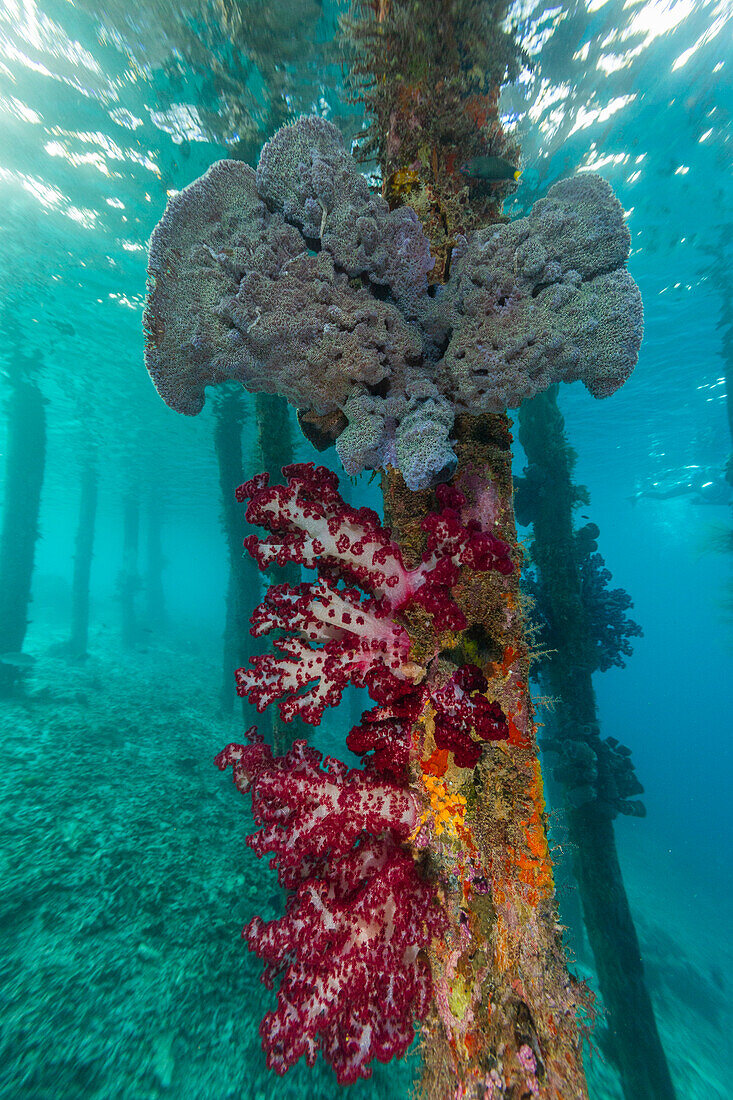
{"type": "Point", "coordinates": [64, 328]}
{"type": "Point", "coordinates": [17, 660]}
{"type": "Point", "coordinates": [491, 169]}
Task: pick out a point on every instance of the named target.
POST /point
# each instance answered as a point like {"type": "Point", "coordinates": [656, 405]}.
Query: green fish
{"type": "Point", "coordinates": [492, 169]}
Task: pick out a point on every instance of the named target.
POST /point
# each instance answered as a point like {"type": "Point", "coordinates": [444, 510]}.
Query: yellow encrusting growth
{"type": "Point", "coordinates": [448, 810]}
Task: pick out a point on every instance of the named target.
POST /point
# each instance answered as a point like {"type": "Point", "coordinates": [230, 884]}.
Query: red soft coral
{"type": "Point", "coordinates": [463, 717]}
{"type": "Point", "coordinates": [350, 945]}
{"type": "Point", "coordinates": [461, 709]}
{"type": "Point", "coordinates": [345, 637]}
{"type": "Point", "coordinates": [385, 732]}
{"type": "Point", "coordinates": [310, 806]}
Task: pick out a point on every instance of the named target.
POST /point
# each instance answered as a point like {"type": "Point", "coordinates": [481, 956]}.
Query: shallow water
{"type": "Point", "coordinates": [125, 880]}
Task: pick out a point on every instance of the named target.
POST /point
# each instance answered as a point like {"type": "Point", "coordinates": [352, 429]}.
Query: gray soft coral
{"type": "Point", "coordinates": [236, 293]}
{"type": "Point", "coordinates": [299, 281]}
{"type": "Point", "coordinates": [305, 173]}
{"type": "Point", "coordinates": [544, 299]}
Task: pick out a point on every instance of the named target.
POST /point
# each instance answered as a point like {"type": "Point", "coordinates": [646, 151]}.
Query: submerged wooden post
{"type": "Point", "coordinates": [567, 677]}
{"type": "Point", "coordinates": [275, 444]}
{"type": "Point", "coordinates": [505, 1014]}
{"type": "Point", "coordinates": [504, 1002]}
{"type": "Point", "coordinates": [154, 566]}
{"type": "Point", "coordinates": [129, 578]}
{"type": "Point", "coordinates": [442, 646]}
{"type": "Point", "coordinates": [25, 458]}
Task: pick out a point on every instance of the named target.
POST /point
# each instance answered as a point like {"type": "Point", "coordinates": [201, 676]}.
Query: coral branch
{"type": "Point", "coordinates": [360, 645]}
{"type": "Point", "coordinates": [312, 525]}
{"type": "Point", "coordinates": [385, 731]}
{"type": "Point", "coordinates": [349, 945]}
{"type": "Point", "coordinates": [354, 979]}
{"type": "Point", "coordinates": [313, 807]}
{"type": "Point", "coordinates": [343, 637]}
{"type": "Point", "coordinates": [462, 710]}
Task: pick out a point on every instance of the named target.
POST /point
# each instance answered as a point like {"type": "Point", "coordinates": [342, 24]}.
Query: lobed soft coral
{"type": "Point", "coordinates": [543, 299]}
{"type": "Point", "coordinates": [235, 292]}
{"type": "Point", "coordinates": [337, 635]}
{"type": "Point", "coordinates": [305, 173]}
{"type": "Point", "coordinates": [350, 947]}
{"type": "Point", "coordinates": [298, 280]}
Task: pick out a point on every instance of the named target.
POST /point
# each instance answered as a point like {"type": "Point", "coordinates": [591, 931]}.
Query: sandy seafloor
{"type": "Point", "coordinates": [126, 881]}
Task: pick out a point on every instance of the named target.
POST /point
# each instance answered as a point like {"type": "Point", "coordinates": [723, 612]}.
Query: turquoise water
{"type": "Point", "coordinates": [125, 880]}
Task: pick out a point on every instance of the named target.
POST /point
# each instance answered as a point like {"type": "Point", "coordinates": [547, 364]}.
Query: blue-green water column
{"type": "Point", "coordinates": [83, 552]}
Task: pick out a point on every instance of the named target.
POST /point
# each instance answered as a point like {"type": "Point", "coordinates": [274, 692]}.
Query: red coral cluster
{"type": "Point", "coordinates": [460, 709]}
{"type": "Point", "coordinates": [344, 637]}
{"type": "Point", "coordinates": [385, 732]}
{"type": "Point", "coordinates": [349, 945]}
{"type": "Point", "coordinates": [463, 718]}
{"type": "Point", "coordinates": [310, 808]}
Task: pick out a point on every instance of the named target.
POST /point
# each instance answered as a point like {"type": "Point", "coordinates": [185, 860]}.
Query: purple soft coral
{"type": "Point", "coordinates": [298, 280]}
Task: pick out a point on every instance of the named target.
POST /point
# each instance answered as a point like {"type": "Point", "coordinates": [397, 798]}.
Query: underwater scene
{"type": "Point", "coordinates": [366, 549]}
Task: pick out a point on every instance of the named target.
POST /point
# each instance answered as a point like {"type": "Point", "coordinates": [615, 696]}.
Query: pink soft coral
{"type": "Point", "coordinates": [350, 947]}
{"type": "Point", "coordinates": [357, 643]}
{"type": "Point", "coordinates": [350, 944]}
{"type": "Point", "coordinates": [342, 636]}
